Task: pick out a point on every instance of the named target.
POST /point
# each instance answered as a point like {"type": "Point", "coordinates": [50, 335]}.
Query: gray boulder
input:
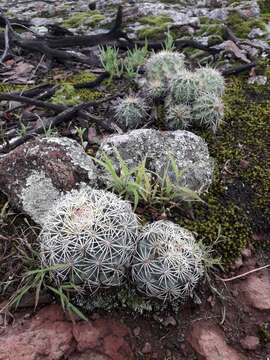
{"type": "Point", "coordinates": [35, 174]}
{"type": "Point", "coordinates": [189, 151]}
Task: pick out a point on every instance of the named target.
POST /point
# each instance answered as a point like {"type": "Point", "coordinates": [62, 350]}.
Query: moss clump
{"type": "Point", "coordinates": [89, 18]}
{"type": "Point", "coordinates": [211, 27]}
{"type": "Point", "coordinates": [83, 77]}
{"type": "Point", "coordinates": [221, 221]}
{"type": "Point", "coordinates": [155, 27]}
{"type": "Point", "coordinates": [264, 6]}
{"type": "Point", "coordinates": [66, 95]}
{"type": "Point", "coordinates": [242, 27]}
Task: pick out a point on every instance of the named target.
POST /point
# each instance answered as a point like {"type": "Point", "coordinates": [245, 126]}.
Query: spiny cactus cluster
{"type": "Point", "coordinates": [130, 112]}
{"type": "Point", "coordinates": [201, 90]}
{"type": "Point", "coordinates": [168, 263]}
{"type": "Point", "coordinates": [89, 237]}
{"type": "Point", "coordinates": [191, 98]}
{"type": "Point", "coordinates": [160, 68]}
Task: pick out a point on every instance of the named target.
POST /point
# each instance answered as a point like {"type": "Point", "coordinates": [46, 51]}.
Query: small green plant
{"type": "Point", "coordinates": [134, 59]}
{"type": "Point", "coordinates": [80, 132]}
{"type": "Point", "coordinates": [23, 129]}
{"type": "Point", "coordinates": [169, 42]}
{"type": "Point", "coordinates": [66, 95]}
{"type": "Point", "coordinates": [33, 278]}
{"type": "Point", "coordinates": [111, 63]}
{"type": "Point", "coordinates": [141, 185]}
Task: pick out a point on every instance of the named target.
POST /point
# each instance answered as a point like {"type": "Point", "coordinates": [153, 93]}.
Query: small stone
{"type": "Point", "coordinates": [244, 164]}
{"type": "Point", "coordinates": [137, 331]}
{"type": "Point", "coordinates": [209, 341]}
{"type": "Point", "coordinates": [237, 264]}
{"type": "Point", "coordinates": [170, 320]}
{"type": "Point", "coordinates": [147, 348]}
{"type": "Point", "coordinates": [246, 253]}
{"type": "Point", "coordinates": [92, 5]}
{"type": "Point", "coordinates": [250, 343]}
{"type": "Point", "coordinates": [258, 80]}
{"type": "Point", "coordinates": [256, 32]}
{"type": "Point", "coordinates": [256, 291]}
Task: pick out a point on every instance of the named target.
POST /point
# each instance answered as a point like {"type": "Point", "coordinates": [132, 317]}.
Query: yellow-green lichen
{"type": "Point", "coordinates": [88, 18]}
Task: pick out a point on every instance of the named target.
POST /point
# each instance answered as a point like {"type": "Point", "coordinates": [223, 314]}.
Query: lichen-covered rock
{"type": "Point", "coordinates": [188, 150]}
{"type": "Point", "coordinates": [35, 174]}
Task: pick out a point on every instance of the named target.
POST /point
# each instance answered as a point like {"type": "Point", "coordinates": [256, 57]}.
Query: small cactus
{"type": "Point", "coordinates": [160, 68]}
{"type": "Point", "coordinates": [211, 81]}
{"type": "Point", "coordinates": [184, 88]}
{"type": "Point", "coordinates": [168, 262]}
{"type": "Point", "coordinates": [208, 111]}
{"type": "Point", "coordinates": [89, 237]}
{"type": "Point", "coordinates": [156, 88]}
{"type": "Point", "coordinates": [177, 117]}
{"type": "Point", "coordinates": [130, 112]}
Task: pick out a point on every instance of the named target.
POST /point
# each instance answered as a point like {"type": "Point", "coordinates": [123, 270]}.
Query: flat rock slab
{"type": "Point", "coordinates": [49, 335]}
{"type": "Point", "coordinates": [189, 151]}
{"type": "Point", "coordinates": [208, 340]}
{"type": "Point", "coordinates": [255, 290]}
{"type": "Point", "coordinates": [35, 174]}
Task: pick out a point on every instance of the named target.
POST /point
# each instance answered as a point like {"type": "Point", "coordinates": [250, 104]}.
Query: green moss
{"type": "Point", "coordinates": [211, 29]}
{"type": "Point", "coordinates": [9, 88]}
{"type": "Point", "coordinates": [264, 332]}
{"type": "Point", "coordinates": [160, 20]}
{"type": "Point", "coordinates": [242, 27]}
{"type": "Point", "coordinates": [264, 6]}
{"type": "Point", "coordinates": [155, 28]}
{"type": "Point", "coordinates": [90, 18]}
{"type": "Point", "coordinates": [66, 95]}
{"type": "Point", "coordinates": [83, 77]}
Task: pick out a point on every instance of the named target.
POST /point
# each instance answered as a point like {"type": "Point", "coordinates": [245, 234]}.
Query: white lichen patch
{"type": "Point", "coordinates": [38, 196]}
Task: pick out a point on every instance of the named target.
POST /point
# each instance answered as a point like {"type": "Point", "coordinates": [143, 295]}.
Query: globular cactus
{"type": "Point", "coordinates": [88, 238]}
{"type": "Point", "coordinates": [177, 117]}
{"type": "Point", "coordinates": [211, 80]}
{"type": "Point", "coordinates": [130, 112]}
{"type": "Point", "coordinates": [184, 87]}
{"type": "Point", "coordinates": [168, 262]}
{"type": "Point", "coordinates": [160, 68]}
{"type": "Point", "coordinates": [208, 111]}
{"type": "Point", "coordinates": [156, 88]}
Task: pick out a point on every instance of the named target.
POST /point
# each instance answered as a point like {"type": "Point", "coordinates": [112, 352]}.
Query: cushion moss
{"type": "Point", "coordinates": [242, 27]}
{"type": "Point", "coordinates": [90, 18]}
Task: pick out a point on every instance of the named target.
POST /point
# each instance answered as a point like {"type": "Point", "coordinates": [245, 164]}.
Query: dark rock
{"type": "Point", "coordinates": [35, 174]}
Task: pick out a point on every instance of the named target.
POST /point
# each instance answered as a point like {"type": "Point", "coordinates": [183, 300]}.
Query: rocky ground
{"type": "Point", "coordinates": [228, 319]}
